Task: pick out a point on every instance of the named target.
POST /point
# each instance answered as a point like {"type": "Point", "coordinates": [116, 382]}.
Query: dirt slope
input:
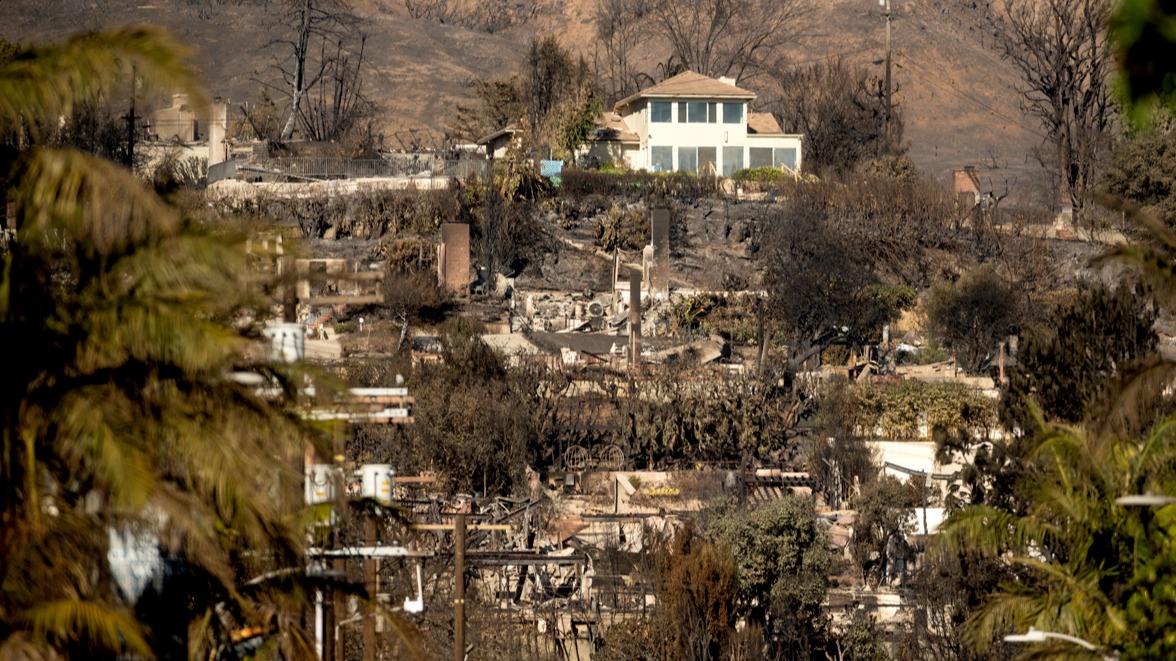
{"type": "Point", "coordinates": [955, 92]}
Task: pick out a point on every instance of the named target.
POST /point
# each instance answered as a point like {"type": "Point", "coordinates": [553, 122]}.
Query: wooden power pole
{"type": "Point", "coordinates": [459, 549]}
{"type": "Point", "coordinates": [889, 104]}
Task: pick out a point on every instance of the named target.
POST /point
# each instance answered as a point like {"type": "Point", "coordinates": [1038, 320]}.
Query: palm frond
{"type": "Point", "coordinates": [992, 531]}
{"type": "Point", "coordinates": [100, 626]}
{"type": "Point", "coordinates": [43, 83]}
{"type": "Point", "coordinates": [88, 204]}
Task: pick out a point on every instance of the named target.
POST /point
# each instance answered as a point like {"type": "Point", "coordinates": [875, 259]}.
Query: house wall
{"type": "Point", "coordinates": [626, 154]}
{"type": "Point", "coordinates": [176, 123]}
{"type": "Point", "coordinates": [792, 146]}
{"type": "Point", "coordinates": [731, 143]}
{"type": "Point", "coordinates": [497, 147]}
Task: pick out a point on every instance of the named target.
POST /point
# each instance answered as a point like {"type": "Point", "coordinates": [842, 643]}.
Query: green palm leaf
{"type": "Point", "coordinates": [75, 620]}
{"type": "Point", "coordinates": [46, 82]}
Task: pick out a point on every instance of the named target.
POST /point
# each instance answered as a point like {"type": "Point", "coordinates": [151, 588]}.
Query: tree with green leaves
{"type": "Point", "coordinates": [552, 101]}
{"type": "Point", "coordinates": [562, 102]}
{"type": "Point", "coordinates": [120, 435]}
{"type": "Point", "coordinates": [883, 515]}
{"type": "Point", "coordinates": [1142, 40]}
{"type": "Point", "coordinates": [783, 566]}
{"type": "Point", "coordinates": [1142, 171]}
{"type": "Point", "coordinates": [1078, 559]}
{"type": "Point", "coordinates": [1082, 562]}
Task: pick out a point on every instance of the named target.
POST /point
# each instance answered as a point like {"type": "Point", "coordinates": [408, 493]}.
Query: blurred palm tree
{"type": "Point", "coordinates": [128, 462]}
{"type": "Point", "coordinates": [1079, 562]}
{"type": "Point", "coordinates": [1075, 556]}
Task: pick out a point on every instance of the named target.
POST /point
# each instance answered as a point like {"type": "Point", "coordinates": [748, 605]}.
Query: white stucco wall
{"type": "Point", "coordinates": [717, 135]}
{"type": "Point", "coordinates": [624, 154]}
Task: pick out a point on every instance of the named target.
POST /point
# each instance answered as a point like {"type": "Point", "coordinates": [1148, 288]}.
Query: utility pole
{"type": "Point", "coordinates": [459, 620]}
{"type": "Point", "coordinates": [371, 580]}
{"type": "Point", "coordinates": [889, 106]}
{"type": "Point", "coordinates": [130, 158]}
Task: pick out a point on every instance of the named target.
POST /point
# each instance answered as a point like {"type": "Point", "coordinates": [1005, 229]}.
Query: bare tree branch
{"type": "Point", "coordinates": [1059, 47]}
{"type": "Point", "coordinates": [729, 37]}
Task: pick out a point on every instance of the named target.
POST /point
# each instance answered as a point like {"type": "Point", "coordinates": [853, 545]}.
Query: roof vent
{"type": "Point", "coordinates": [729, 81]}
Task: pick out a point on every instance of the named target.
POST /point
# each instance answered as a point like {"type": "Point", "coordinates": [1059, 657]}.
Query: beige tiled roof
{"type": "Point", "coordinates": [762, 123]}
{"type": "Point", "coordinates": [611, 127]}
{"type": "Point", "coordinates": [689, 84]}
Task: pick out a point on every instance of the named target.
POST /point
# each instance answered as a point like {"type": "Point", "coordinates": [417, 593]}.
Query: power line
{"type": "Point", "coordinates": [950, 88]}
{"type": "Point", "coordinates": [831, 56]}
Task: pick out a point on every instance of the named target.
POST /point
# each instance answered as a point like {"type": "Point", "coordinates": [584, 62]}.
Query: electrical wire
{"type": "Point", "coordinates": [949, 87]}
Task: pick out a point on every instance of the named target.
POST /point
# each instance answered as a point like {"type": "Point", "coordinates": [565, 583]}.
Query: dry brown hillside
{"type": "Point", "coordinates": [955, 92]}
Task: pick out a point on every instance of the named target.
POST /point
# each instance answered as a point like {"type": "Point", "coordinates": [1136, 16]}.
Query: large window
{"type": "Point", "coordinates": [761, 157]}
{"type": "Point", "coordinates": [688, 159]}
{"type": "Point", "coordinates": [707, 160]}
{"type": "Point", "coordinates": [661, 159]}
{"type": "Point", "coordinates": [732, 113]}
{"type": "Point", "coordinates": [698, 112]}
{"type": "Point", "coordinates": [732, 160]}
{"type": "Point", "coordinates": [661, 112]}
{"type": "Point", "coordinates": [784, 156]}
{"type": "Point", "coordinates": [766, 157]}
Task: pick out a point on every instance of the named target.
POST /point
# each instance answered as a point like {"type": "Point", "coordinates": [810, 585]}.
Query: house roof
{"type": "Point", "coordinates": [505, 131]}
{"type": "Point", "coordinates": [762, 123]}
{"type": "Point", "coordinates": [611, 127]}
{"type": "Point", "coordinates": [689, 84]}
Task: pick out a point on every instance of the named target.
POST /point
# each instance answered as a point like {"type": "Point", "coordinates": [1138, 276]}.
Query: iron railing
{"type": "Point", "coordinates": [395, 165]}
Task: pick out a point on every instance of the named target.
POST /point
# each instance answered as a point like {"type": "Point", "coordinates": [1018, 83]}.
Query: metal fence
{"type": "Point", "coordinates": [393, 165]}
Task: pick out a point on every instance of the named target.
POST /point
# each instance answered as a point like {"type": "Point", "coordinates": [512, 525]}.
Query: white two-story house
{"type": "Point", "coordinates": [693, 123]}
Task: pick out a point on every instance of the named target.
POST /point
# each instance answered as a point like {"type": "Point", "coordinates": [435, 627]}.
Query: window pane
{"type": "Point", "coordinates": [696, 112]}
{"type": "Point", "coordinates": [661, 111]}
{"type": "Point", "coordinates": [681, 112]}
{"type": "Point", "coordinates": [712, 112]}
{"type": "Point", "coordinates": [687, 159]}
{"type": "Point", "coordinates": [706, 160]}
{"type": "Point", "coordinates": [760, 157]}
{"type": "Point", "coordinates": [732, 160]}
{"type": "Point", "coordinates": [785, 156]}
{"type": "Point", "coordinates": [661, 159]}
{"type": "Point", "coordinates": [732, 113]}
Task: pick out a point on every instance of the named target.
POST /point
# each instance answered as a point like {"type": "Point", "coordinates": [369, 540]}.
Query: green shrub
{"type": "Point", "coordinates": [672, 185]}
{"type": "Point", "coordinates": [900, 409]}
{"type": "Point", "coordinates": [764, 175]}
{"type": "Point", "coordinates": [608, 167]}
